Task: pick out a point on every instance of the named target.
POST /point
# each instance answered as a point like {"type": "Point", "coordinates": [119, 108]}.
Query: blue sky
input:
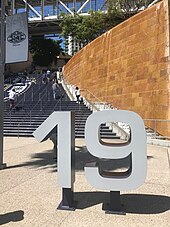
{"type": "Point", "coordinates": [58, 38]}
{"type": "Point", "coordinates": [48, 10]}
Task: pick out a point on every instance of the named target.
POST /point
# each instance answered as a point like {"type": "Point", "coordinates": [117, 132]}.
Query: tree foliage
{"type": "Point", "coordinates": [44, 51]}
{"type": "Point", "coordinates": [86, 28]}
{"type": "Point", "coordinates": [126, 8]}
{"type": "Point", "coordinates": [83, 28]}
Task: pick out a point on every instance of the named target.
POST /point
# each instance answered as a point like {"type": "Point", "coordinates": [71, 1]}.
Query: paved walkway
{"type": "Point", "coordinates": [29, 193]}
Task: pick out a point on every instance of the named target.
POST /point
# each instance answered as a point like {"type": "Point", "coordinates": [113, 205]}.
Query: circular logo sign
{"type": "Point", "coordinates": [16, 37]}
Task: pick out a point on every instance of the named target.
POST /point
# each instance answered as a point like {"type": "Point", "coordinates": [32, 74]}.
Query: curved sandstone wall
{"type": "Point", "coordinates": [129, 65]}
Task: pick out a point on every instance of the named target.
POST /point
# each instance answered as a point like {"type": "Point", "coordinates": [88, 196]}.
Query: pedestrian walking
{"type": "Point", "coordinates": [54, 88]}
{"type": "Point", "coordinates": [58, 76]}
{"type": "Point", "coordinates": [44, 78]}
{"type": "Point", "coordinates": [12, 96]}
{"type": "Point", "coordinates": [48, 75]}
{"type": "Point", "coordinates": [77, 94]}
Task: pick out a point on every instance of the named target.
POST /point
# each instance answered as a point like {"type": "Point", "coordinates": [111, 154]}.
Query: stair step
{"type": "Point", "coordinates": [31, 112]}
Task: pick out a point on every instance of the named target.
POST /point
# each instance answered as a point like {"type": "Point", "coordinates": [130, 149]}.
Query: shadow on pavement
{"type": "Point", "coordinates": [132, 203]}
{"type": "Point", "coordinates": [37, 160]}
{"type": "Point", "coordinates": [12, 216]}
{"type": "Point", "coordinates": [145, 203]}
{"type": "Point", "coordinates": [48, 159]}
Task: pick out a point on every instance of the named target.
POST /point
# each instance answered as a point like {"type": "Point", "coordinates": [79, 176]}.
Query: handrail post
{"type": "Point", "coordinates": [30, 117]}
{"type": "Point", "coordinates": [18, 130]}
{"type": "Point", "coordinates": [10, 117]}
{"type": "Point", "coordinates": [155, 127]}
{"type": "Point", "coordinates": [41, 105]}
{"type": "Point", "coordinates": [32, 94]}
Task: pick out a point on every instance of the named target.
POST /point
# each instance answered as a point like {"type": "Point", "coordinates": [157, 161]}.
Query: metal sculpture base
{"type": "Point", "coordinates": [67, 202]}
{"type": "Point", "coordinates": [114, 206]}
{"type": "Point", "coordinates": [3, 166]}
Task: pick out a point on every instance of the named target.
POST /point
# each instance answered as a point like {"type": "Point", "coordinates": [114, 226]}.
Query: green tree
{"type": "Point", "coordinates": [127, 8]}
{"type": "Point", "coordinates": [84, 29]}
{"type": "Point", "coordinates": [44, 51]}
{"type": "Point", "coordinates": [120, 10]}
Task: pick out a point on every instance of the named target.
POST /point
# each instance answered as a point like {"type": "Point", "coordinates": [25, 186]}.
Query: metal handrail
{"type": "Point", "coordinates": [67, 89]}
{"type": "Point", "coordinates": [23, 99]}
{"type": "Point", "coordinates": [58, 102]}
{"type": "Point", "coordinates": [27, 114]}
{"type": "Point", "coordinates": [92, 104]}
{"type": "Point", "coordinates": [89, 92]}
{"type": "Point", "coordinates": [94, 108]}
{"type": "Point", "coordinates": [155, 134]}
{"type": "Point", "coordinates": [160, 120]}
{"type": "Point", "coordinates": [97, 103]}
{"type": "Point", "coordinates": [30, 115]}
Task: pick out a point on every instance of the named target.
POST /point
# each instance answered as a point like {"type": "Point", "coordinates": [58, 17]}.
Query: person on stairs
{"type": "Point", "coordinates": [12, 96]}
{"type": "Point", "coordinates": [54, 88]}
{"type": "Point", "coordinates": [77, 94]}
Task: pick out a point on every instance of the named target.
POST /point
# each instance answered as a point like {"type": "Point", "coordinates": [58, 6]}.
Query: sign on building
{"type": "Point", "coordinates": [16, 38]}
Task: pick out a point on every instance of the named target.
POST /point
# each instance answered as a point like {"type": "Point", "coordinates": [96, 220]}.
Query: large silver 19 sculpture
{"type": "Point", "coordinates": [114, 182]}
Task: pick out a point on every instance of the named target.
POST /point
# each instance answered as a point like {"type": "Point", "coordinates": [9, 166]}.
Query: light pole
{"type": "Point", "coordinates": [2, 64]}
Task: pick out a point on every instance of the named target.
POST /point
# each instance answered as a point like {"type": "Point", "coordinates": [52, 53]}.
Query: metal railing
{"type": "Point", "coordinates": [96, 105]}
{"type": "Point", "coordinates": [42, 105]}
{"type": "Point", "coordinates": [157, 128]}
{"type": "Point", "coordinates": [154, 127]}
{"type": "Point", "coordinates": [28, 114]}
{"type": "Point", "coordinates": [22, 99]}
{"type": "Point", "coordinates": [87, 96]}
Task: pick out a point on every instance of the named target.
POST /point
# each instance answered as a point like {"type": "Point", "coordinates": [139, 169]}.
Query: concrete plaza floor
{"type": "Point", "coordinates": [29, 194]}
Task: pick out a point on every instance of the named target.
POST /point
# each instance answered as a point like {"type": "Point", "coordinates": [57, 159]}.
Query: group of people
{"type": "Point", "coordinates": [55, 89]}
{"type": "Point", "coordinates": [49, 76]}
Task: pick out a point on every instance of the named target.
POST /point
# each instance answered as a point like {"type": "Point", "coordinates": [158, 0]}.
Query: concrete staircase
{"type": "Point", "coordinates": [37, 103]}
